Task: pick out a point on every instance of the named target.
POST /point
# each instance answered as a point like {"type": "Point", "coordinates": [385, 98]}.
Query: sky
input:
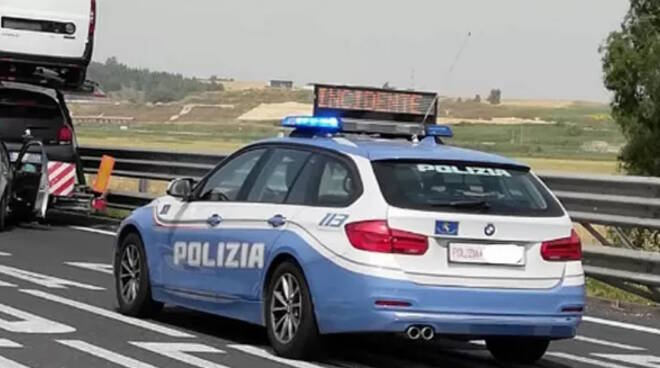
{"type": "Point", "coordinates": [540, 49]}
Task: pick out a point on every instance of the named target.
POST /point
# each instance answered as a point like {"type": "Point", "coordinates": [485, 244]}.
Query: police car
{"type": "Point", "coordinates": [362, 221]}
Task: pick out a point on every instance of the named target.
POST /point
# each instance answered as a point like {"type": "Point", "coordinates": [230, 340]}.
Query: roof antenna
{"type": "Point", "coordinates": [458, 57]}
{"type": "Point", "coordinates": [449, 72]}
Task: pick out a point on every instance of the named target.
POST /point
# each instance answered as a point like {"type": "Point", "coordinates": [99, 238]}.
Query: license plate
{"type": "Point", "coordinates": [495, 254]}
{"type": "Point", "coordinates": [33, 158]}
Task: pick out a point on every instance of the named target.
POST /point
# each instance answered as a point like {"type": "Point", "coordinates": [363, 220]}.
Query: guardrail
{"type": "Point", "coordinates": [101, 119]}
{"type": "Point", "coordinates": [619, 202]}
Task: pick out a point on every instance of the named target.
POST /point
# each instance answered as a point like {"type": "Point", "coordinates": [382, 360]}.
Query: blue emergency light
{"type": "Point", "coordinates": [444, 131]}
{"type": "Point", "coordinates": [314, 123]}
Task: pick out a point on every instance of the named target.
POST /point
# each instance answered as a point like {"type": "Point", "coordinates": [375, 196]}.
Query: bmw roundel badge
{"type": "Point", "coordinates": [489, 230]}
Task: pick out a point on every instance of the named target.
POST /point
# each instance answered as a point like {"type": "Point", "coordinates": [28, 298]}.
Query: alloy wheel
{"type": "Point", "coordinates": [286, 308]}
{"type": "Point", "coordinates": [129, 273]}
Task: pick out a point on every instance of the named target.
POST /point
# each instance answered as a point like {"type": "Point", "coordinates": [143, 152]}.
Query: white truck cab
{"type": "Point", "coordinates": [53, 34]}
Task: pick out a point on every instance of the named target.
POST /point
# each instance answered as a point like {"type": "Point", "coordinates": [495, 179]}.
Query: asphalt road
{"type": "Point", "coordinates": [57, 309]}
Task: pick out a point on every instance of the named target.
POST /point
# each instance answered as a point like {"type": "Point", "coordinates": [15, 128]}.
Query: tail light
{"type": "Point", "coordinates": [566, 249]}
{"type": "Point", "coordinates": [92, 19]}
{"type": "Point", "coordinates": [377, 236]}
{"type": "Point", "coordinates": [65, 135]}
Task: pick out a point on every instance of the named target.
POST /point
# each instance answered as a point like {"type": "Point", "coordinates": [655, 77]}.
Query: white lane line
{"type": "Point", "coordinates": [107, 314]}
{"type": "Point", "coordinates": [5, 254]}
{"type": "Point", "coordinates": [627, 326]}
{"type": "Point", "coordinates": [6, 363]}
{"type": "Point", "coordinates": [5, 343]}
{"type": "Point", "coordinates": [45, 280]}
{"type": "Point", "coordinates": [646, 361]}
{"type": "Point", "coordinates": [583, 360]}
{"type": "Point", "coordinates": [586, 340]}
{"type": "Point", "coordinates": [608, 343]}
{"type": "Point", "coordinates": [104, 354]}
{"type": "Point", "coordinates": [28, 323]}
{"type": "Point", "coordinates": [92, 230]}
{"type": "Point", "coordinates": [262, 353]}
{"type": "Point", "coordinates": [98, 267]}
{"type": "Point", "coordinates": [6, 284]}
{"type": "Point", "coordinates": [180, 352]}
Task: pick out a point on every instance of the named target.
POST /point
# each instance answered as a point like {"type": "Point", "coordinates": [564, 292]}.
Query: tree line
{"type": "Point", "coordinates": [144, 84]}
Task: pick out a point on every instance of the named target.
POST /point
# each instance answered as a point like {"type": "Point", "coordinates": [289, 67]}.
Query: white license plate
{"type": "Point", "coordinates": [495, 254]}
{"type": "Point", "coordinates": [33, 158]}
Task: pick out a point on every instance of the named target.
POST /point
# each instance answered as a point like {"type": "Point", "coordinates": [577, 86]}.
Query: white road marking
{"type": "Point", "coordinates": [178, 351]}
{"type": "Point", "coordinates": [108, 355]}
{"type": "Point", "coordinates": [608, 343]}
{"type": "Point", "coordinates": [646, 361]}
{"type": "Point", "coordinates": [45, 280]}
{"type": "Point", "coordinates": [92, 230]}
{"type": "Point", "coordinates": [5, 343]}
{"type": "Point", "coordinates": [6, 363]}
{"type": "Point", "coordinates": [108, 314]}
{"type": "Point", "coordinates": [478, 342]}
{"type": "Point", "coordinates": [98, 267]}
{"type": "Point", "coordinates": [627, 326]}
{"type": "Point", "coordinates": [4, 254]}
{"type": "Point", "coordinates": [262, 353]}
{"type": "Point", "coordinates": [579, 359]}
{"type": "Point", "coordinates": [6, 284]}
{"type": "Point", "coordinates": [30, 323]}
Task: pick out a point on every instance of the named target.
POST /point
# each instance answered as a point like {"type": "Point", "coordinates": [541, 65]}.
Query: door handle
{"type": "Point", "coordinates": [214, 220]}
{"type": "Point", "coordinates": [277, 221]}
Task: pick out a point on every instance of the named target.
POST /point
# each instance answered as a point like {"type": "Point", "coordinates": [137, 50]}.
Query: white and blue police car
{"type": "Point", "coordinates": [362, 222]}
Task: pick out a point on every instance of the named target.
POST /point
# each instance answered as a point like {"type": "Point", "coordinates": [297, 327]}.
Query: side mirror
{"type": "Point", "coordinates": [180, 188]}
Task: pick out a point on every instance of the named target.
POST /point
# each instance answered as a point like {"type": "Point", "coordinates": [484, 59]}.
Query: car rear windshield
{"type": "Point", "coordinates": [464, 188]}
{"type": "Point", "coordinates": [26, 105]}
{"type": "Point", "coordinates": [23, 111]}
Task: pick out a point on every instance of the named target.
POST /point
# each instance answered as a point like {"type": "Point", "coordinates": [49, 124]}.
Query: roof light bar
{"type": "Point", "coordinates": [322, 124]}
{"type": "Point", "coordinates": [439, 131]}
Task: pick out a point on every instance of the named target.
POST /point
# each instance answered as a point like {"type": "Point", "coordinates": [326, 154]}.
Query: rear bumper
{"type": "Point", "coordinates": [345, 302]}
{"type": "Point", "coordinates": [467, 325]}
{"type": "Point", "coordinates": [49, 61]}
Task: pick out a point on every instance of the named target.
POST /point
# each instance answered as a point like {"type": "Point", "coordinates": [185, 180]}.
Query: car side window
{"type": "Point", "coordinates": [4, 168]}
{"type": "Point", "coordinates": [226, 183]}
{"type": "Point", "coordinates": [4, 158]}
{"type": "Point", "coordinates": [325, 182]}
{"type": "Point", "coordinates": [337, 186]}
{"type": "Point", "coordinates": [304, 190]}
{"type": "Point", "coordinates": [278, 176]}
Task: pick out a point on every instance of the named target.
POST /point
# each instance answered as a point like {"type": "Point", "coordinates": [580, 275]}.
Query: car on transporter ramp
{"type": "Point", "coordinates": [362, 221]}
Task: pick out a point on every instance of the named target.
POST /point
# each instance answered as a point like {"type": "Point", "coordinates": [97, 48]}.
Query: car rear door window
{"type": "Point", "coordinates": [278, 176]}
{"type": "Point", "coordinates": [226, 183]}
{"type": "Point", "coordinates": [326, 181]}
{"type": "Point", "coordinates": [337, 186]}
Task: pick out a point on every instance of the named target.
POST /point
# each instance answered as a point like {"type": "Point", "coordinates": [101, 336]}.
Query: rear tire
{"type": "Point", "coordinates": [132, 283]}
{"type": "Point", "coordinates": [302, 339]}
{"type": "Point", "coordinates": [517, 350]}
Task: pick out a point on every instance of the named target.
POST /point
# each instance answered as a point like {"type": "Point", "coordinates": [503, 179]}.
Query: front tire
{"type": "Point", "coordinates": [289, 312]}
{"type": "Point", "coordinates": [517, 350]}
{"type": "Point", "coordinates": [132, 282]}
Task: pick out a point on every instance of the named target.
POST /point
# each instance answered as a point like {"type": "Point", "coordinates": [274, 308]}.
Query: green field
{"type": "Point", "coordinates": [573, 136]}
{"type": "Point", "coordinates": [556, 148]}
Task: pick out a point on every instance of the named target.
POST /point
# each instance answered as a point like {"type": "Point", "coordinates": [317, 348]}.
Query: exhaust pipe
{"type": "Point", "coordinates": [413, 333]}
{"type": "Point", "coordinates": [427, 333]}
